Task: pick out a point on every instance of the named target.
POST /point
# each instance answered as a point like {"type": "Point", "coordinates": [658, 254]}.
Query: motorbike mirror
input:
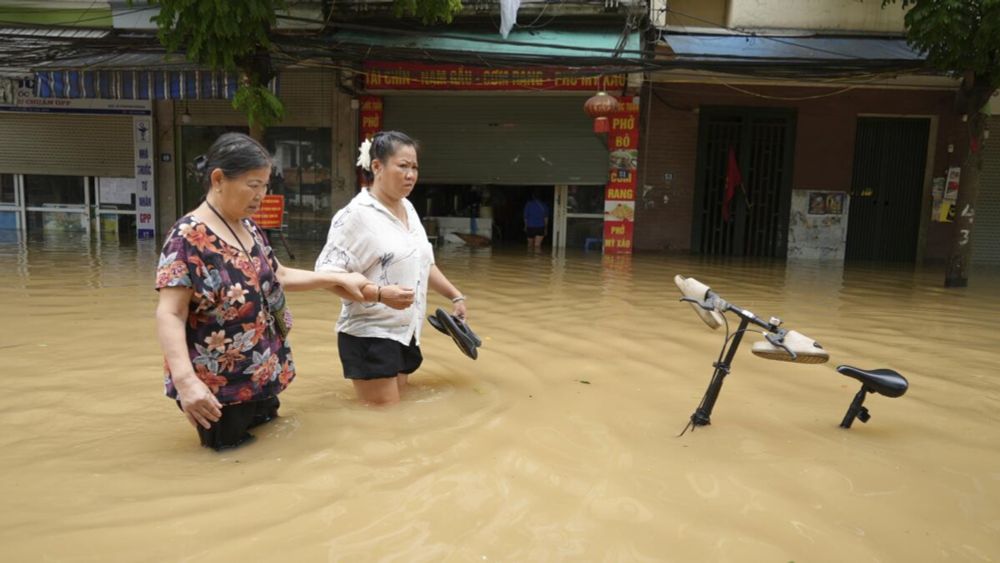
{"type": "Point", "coordinates": [694, 289]}
{"type": "Point", "coordinates": [807, 350]}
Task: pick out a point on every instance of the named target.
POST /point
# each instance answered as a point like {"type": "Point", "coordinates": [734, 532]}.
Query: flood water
{"type": "Point", "coordinates": [559, 444]}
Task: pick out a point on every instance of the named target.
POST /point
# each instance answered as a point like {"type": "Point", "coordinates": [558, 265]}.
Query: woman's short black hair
{"type": "Point", "coordinates": [384, 145]}
{"type": "Point", "coordinates": [233, 153]}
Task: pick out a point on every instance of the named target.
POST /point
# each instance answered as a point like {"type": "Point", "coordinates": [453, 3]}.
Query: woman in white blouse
{"type": "Point", "coordinates": [379, 234]}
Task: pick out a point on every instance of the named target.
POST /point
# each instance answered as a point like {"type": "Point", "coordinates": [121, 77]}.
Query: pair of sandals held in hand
{"type": "Point", "coordinates": [458, 330]}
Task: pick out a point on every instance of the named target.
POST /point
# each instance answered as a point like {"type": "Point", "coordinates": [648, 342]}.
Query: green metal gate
{"type": "Point", "coordinates": [890, 155]}
{"type": "Point", "coordinates": [762, 141]}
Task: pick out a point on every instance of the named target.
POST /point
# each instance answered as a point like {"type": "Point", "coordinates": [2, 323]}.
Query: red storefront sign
{"type": "Point", "coordinates": [271, 211]}
{"type": "Point", "coordinates": [381, 75]}
{"type": "Point", "coordinates": [371, 122]}
{"type": "Point", "coordinates": [619, 193]}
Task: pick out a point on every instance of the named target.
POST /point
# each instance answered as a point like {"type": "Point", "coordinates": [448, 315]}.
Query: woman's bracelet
{"type": "Point", "coordinates": [378, 294]}
{"type": "Point", "coordinates": [457, 299]}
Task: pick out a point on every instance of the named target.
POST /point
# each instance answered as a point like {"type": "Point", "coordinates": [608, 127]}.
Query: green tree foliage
{"type": "Point", "coordinates": [232, 36]}
{"type": "Point", "coordinates": [428, 11]}
{"type": "Point", "coordinates": [235, 36]}
{"type": "Point", "coordinates": [956, 35]}
{"type": "Point", "coordinates": [961, 37]}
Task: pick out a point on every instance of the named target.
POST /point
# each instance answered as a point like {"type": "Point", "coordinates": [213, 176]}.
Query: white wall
{"type": "Point", "coordinates": [831, 15]}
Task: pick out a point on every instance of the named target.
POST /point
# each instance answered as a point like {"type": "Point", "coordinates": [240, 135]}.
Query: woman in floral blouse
{"type": "Point", "coordinates": [221, 318]}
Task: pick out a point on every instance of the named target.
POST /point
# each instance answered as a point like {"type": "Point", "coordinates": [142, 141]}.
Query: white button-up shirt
{"type": "Point", "coordinates": [366, 237]}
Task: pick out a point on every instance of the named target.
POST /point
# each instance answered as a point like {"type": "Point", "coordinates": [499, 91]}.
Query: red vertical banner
{"type": "Point", "coordinates": [619, 194]}
{"type": "Point", "coordinates": [370, 118]}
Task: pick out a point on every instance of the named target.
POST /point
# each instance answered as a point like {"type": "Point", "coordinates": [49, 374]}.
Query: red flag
{"type": "Point", "coordinates": [733, 179]}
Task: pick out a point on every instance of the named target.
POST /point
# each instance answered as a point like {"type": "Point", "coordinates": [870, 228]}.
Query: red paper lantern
{"type": "Point", "coordinates": [600, 106]}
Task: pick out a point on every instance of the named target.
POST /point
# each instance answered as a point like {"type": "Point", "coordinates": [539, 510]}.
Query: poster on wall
{"type": "Point", "coordinates": [145, 214]}
{"type": "Point", "coordinates": [271, 212]}
{"type": "Point", "coordinates": [937, 196]}
{"type": "Point", "coordinates": [116, 191]}
{"type": "Point", "coordinates": [619, 193]}
{"type": "Point", "coordinates": [946, 209]}
{"type": "Point", "coordinates": [826, 203]}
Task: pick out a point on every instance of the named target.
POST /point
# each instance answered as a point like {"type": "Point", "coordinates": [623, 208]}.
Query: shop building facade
{"type": "Point", "coordinates": [489, 143]}
{"type": "Point", "coordinates": [840, 140]}
{"type": "Point", "coordinates": [794, 133]}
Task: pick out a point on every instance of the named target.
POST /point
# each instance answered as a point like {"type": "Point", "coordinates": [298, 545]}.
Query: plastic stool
{"type": "Point", "coordinates": [592, 240]}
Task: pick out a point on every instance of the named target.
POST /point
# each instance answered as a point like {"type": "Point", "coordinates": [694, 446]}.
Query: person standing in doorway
{"type": "Point", "coordinates": [536, 221]}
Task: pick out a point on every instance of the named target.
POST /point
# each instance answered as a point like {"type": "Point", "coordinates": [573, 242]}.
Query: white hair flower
{"type": "Point", "coordinates": [365, 155]}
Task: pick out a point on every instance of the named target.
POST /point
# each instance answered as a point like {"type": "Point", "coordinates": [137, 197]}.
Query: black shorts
{"type": "Point", "coordinates": [376, 358]}
{"type": "Point", "coordinates": [230, 430]}
{"type": "Point", "coordinates": [533, 232]}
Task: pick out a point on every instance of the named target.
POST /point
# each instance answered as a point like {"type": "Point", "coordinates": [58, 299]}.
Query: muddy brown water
{"type": "Point", "coordinates": [559, 444]}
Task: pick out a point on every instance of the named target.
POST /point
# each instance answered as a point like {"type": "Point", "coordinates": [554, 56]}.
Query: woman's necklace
{"type": "Point", "coordinates": [231, 231]}
{"type": "Point", "coordinates": [263, 298]}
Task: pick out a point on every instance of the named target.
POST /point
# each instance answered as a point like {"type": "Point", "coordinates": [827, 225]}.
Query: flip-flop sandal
{"type": "Point", "coordinates": [437, 324]}
{"type": "Point", "coordinates": [460, 333]}
{"type": "Point", "coordinates": [433, 320]}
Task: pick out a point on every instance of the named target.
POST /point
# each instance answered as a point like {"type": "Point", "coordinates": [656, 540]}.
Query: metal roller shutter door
{"type": "Point", "coordinates": [307, 95]}
{"type": "Point", "coordinates": [505, 140]}
{"type": "Point", "coordinates": [71, 145]}
{"type": "Point", "coordinates": [986, 233]}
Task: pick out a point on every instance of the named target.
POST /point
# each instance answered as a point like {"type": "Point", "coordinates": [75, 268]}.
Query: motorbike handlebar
{"type": "Point", "coordinates": [778, 344]}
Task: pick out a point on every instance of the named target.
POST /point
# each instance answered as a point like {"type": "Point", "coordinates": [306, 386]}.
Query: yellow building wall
{"type": "Point", "coordinates": [820, 15]}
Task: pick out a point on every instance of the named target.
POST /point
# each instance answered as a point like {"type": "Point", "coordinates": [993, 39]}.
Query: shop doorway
{"type": "Point", "coordinates": [761, 141]}
{"type": "Point", "coordinates": [302, 174]}
{"type": "Point", "coordinates": [887, 190]}
{"type": "Point", "coordinates": [11, 202]}
{"type": "Point", "coordinates": [57, 204]}
{"type": "Point", "coordinates": [496, 212]}
{"type": "Point", "coordinates": [579, 217]}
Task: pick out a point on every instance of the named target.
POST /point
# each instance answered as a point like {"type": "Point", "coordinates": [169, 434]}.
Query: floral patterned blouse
{"type": "Point", "coordinates": [232, 346]}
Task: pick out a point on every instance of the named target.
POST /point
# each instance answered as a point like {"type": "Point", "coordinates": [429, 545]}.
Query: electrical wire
{"type": "Point", "coordinates": [577, 61]}
{"type": "Point", "coordinates": [785, 98]}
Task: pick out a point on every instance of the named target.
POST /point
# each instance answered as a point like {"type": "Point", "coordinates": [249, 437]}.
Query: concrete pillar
{"type": "Point", "coordinates": [345, 148]}
{"type": "Point", "coordinates": [166, 177]}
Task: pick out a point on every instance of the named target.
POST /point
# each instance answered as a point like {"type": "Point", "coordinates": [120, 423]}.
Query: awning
{"type": "Point", "coordinates": [134, 76]}
{"type": "Point", "coordinates": [138, 84]}
{"type": "Point", "coordinates": [554, 46]}
{"type": "Point", "coordinates": [63, 13]}
{"type": "Point", "coordinates": [759, 48]}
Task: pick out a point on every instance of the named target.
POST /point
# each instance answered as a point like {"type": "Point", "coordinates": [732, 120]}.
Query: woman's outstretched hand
{"type": "Point", "coordinates": [353, 283]}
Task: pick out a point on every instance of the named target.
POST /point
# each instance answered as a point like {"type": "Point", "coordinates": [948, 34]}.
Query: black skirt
{"type": "Point", "coordinates": [230, 430]}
